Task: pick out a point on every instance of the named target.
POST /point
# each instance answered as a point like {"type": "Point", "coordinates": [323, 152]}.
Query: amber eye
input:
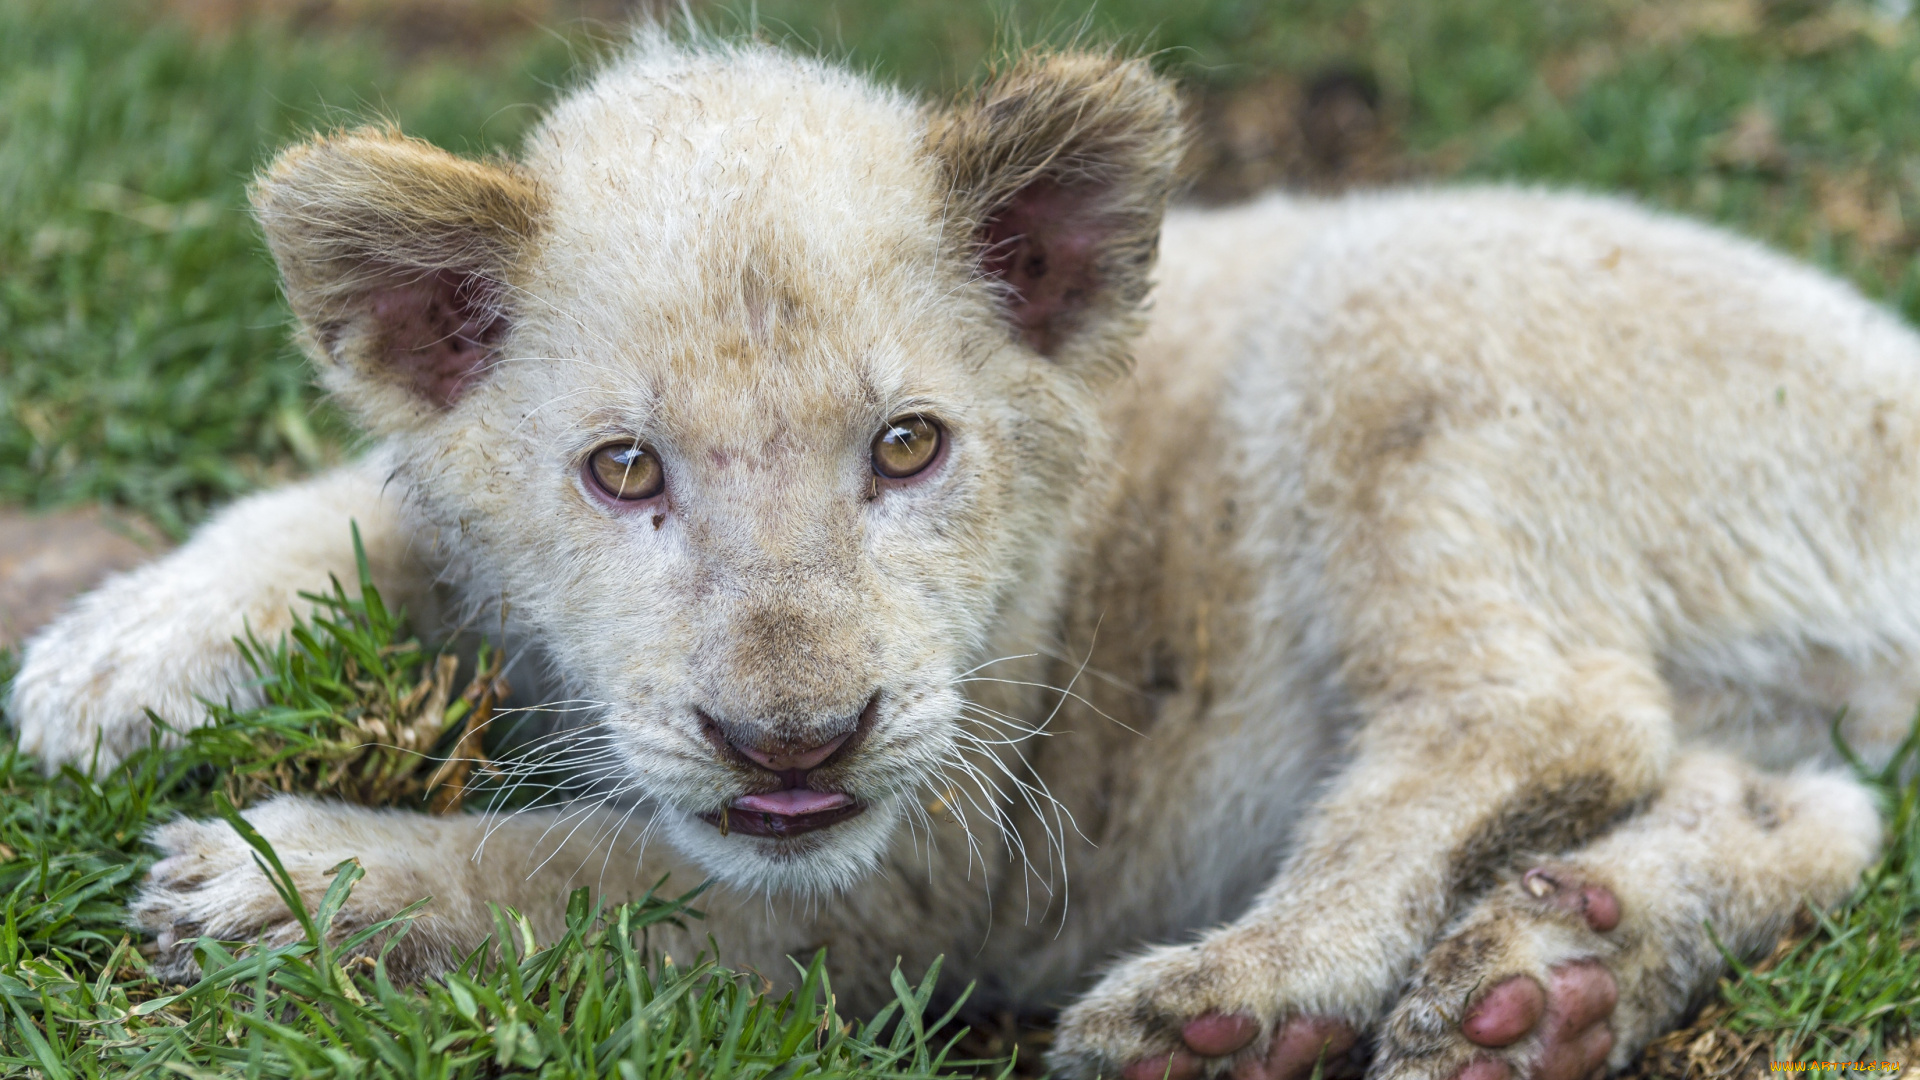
{"type": "Point", "coordinates": [627, 472]}
{"type": "Point", "coordinates": [905, 446]}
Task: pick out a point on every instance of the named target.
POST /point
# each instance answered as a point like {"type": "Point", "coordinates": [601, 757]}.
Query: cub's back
{"type": "Point", "coordinates": [1655, 429]}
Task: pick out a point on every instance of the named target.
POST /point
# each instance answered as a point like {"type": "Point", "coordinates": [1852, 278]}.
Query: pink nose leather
{"type": "Point", "coordinates": [802, 761]}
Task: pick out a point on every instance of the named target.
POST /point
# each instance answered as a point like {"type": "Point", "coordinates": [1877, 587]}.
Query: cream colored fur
{"type": "Point", "coordinates": [1427, 534]}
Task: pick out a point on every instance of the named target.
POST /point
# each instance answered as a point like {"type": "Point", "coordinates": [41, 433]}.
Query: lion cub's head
{"type": "Point", "coordinates": [762, 396]}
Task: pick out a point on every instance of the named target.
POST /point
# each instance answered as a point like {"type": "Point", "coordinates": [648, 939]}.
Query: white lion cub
{"type": "Point", "coordinates": [1355, 601]}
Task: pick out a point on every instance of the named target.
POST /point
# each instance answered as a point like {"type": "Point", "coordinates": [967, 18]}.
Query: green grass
{"type": "Point", "coordinates": [143, 344]}
{"type": "Point", "coordinates": [1852, 989]}
{"type": "Point", "coordinates": [144, 361]}
{"type": "Point", "coordinates": [1847, 988]}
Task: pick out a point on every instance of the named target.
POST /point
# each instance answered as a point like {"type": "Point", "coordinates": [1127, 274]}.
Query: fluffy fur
{"type": "Point", "coordinates": [1401, 543]}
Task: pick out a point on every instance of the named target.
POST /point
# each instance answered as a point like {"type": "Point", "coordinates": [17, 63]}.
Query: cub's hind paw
{"type": "Point", "coordinates": [1575, 966]}
{"type": "Point", "coordinates": [1522, 989]}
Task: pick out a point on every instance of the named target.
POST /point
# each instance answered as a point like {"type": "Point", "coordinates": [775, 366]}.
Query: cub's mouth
{"type": "Point", "coordinates": [805, 800]}
{"type": "Point", "coordinates": [780, 814]}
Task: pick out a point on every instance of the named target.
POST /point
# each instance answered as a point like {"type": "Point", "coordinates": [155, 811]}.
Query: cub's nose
{"type": "Point", "coordinates": [795, 753]}
{"type": "Point", "coordinates": [784, 759]}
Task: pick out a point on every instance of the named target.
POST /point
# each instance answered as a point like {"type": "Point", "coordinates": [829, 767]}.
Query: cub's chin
{"type": "Point", "coordinates": [824, 860]}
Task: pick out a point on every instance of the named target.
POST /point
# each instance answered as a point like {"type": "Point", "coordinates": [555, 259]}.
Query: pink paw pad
{"type": "Point", "coordinates": [1297, 1047]}
{"type": "Point", "coordinates": [1218, 1034]}
{"type": "Point", "coordinates": [1506, 1013]}
{"type": "Point", "coordinates": [1487, 1069]}
{"type": "Point", "coordinates": [1571, 1013]}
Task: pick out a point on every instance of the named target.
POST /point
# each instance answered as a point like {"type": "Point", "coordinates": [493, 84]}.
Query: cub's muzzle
{"type": "Point", "coordinates": [794, 797]}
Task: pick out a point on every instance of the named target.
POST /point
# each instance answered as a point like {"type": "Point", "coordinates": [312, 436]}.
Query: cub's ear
{"type": "Point", "coordinates": [1061, 166]}
{"type": "Point", "coordinates": [397, 258]}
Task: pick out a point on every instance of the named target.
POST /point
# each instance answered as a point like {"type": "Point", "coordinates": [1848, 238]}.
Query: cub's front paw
{"type": "Point", "coordinates": [1193, 1010]}
{"type": "Point", "coordinates": [208, 884]}
{"type": "Point", "coordinates": [87, 679]}
{"type": "Point", "coordinates": [1524, 987]}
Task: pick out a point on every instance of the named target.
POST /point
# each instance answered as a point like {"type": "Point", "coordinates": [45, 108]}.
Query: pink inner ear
{"type": "Point", "coordinates": [437, 331]}
{"type": "Point", "coordinates": [1043, 244]}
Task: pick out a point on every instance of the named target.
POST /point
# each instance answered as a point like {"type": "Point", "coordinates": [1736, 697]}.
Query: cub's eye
{"type": "Point", "coordinates": [905, 447]}
{"type": "Point", "coordinates": [628, 472]}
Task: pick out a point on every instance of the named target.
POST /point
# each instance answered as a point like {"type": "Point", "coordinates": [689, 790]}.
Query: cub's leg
{"type": "Point", "coordinates": [209, 884]}
{"type": "Point", "coordinates": [162, 636]}
{"type": "Point", "coordinates": [1493, 743]}
{"type": "Point", "coordinates": [1573, 966]}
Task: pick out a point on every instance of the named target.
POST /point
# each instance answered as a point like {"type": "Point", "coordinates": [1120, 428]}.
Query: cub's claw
{"type": "Point", "coordinates": [1595, 904]}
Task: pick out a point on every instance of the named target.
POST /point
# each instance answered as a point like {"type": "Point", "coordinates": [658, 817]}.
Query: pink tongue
{"type": "Point", "coordinates": [793, 802]}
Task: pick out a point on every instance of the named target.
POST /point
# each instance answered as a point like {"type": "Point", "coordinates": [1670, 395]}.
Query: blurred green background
{"type": "Point", "coordinates": [143, 350]}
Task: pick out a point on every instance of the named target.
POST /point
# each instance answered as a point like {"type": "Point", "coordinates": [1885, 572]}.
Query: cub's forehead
{"type": "Point", "coordinates": [672, 137]}
{"type": "Point", "coordinates": [743, 212]}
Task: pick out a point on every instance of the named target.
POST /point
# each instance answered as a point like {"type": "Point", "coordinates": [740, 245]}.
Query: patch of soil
{"type": "Point", "coordinates": [45, 559]}
{"type": "Point", "coordinates": [1005, 1033]}
{"type": "Point", "coordinates": [1325, 133]}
